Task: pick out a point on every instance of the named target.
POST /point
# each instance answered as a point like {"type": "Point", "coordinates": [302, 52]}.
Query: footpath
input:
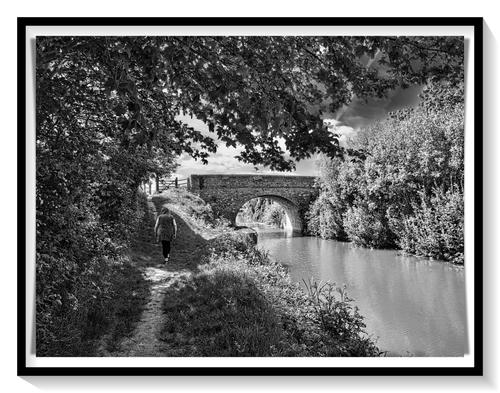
{"type": "Point", "coordinates": [187, 253]}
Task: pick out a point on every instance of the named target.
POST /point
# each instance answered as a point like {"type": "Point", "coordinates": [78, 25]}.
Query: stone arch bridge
{"type": "Point", "coordinates": [228, 193]}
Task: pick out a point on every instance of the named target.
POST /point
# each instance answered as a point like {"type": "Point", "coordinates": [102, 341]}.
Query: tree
{"type": "Point", "coordinates": [249, 90]}
{"type": "Point", "coordinates": [408, 191]}
{"type": "Point", "coordinates": [108, 117]}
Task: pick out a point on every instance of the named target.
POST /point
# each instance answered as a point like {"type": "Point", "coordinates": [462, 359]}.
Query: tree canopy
{"type": "Point", "coordinates": [408, 192]}
{"type": "Point", "coordinates": [249, 90]}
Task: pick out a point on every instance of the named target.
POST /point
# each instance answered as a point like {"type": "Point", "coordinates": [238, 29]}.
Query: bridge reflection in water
{"type": "Point", "coordinates": [269, 232]}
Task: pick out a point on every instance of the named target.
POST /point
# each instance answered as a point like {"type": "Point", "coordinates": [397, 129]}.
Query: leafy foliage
{"type": "Point", "coordinates": [436, 227]}
{"type": "Point", "coordinates": [367, 225]}
{"type": "Point", "coordinates": [242, 303]}
{"type": "Point", "coordinates": [325, 218]}
{"type": "Point", "coordinates": [109, 116]}
{"type": "Point", "coordinates": [275, 215]}
{"type": "Point", "coordinates": [407, 192]}
{"type": "Point", "coordinates": [263, 210]}
{"type": "Point", "coordinates": [83, 284]}
{"type": "Point", "coordinates": [249, 90]}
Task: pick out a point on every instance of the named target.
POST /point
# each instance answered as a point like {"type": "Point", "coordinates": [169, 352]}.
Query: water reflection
{"type": "Point", "coordinates": [414, 306]}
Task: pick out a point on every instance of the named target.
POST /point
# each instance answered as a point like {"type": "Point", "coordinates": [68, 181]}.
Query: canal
{"type": "Point", "coordinates": [414, 306]}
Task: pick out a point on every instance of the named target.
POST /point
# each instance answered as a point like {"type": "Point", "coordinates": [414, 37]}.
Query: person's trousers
{"type": "Point", "coordinates": [165, 244]}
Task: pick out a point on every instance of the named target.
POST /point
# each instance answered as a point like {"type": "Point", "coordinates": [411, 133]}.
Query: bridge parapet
{"type": "Point", "coordinates": [199, 182]}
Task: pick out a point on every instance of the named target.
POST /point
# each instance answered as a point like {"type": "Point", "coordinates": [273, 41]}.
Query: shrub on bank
{"type": "Point", "coordinates": [324, 219]}
{"type": "Point", "coordinates": [436, 228]}
{"type": "Point", "coordinates": [236, 241]}
{"type": "Point", "coordinates": [387, 197]}
{"type": "Point", "coordinates": [367, 227]}
{"type": "Point", "coordinates": [242, 303]}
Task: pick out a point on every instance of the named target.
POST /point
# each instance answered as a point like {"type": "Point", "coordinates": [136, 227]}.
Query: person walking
{"type": "Point", "coordinates": [165, 231]}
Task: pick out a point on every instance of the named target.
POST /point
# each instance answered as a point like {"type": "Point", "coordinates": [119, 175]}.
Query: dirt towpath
{"type": "Point", "coordinates": [187, 253]}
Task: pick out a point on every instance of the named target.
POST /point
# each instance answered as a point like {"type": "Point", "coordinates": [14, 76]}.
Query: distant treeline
{"type": "Point", "coordinates": [407, 191]}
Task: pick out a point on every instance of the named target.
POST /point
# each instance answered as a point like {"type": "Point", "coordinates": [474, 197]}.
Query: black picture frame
{"type": "Point", "coordinates": [476, 23]}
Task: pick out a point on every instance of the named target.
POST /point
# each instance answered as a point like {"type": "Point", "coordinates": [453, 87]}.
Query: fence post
{"type": "Point", "coordinates": [157, 183]}
{"type": "Point", "coordinates": [176, 183]}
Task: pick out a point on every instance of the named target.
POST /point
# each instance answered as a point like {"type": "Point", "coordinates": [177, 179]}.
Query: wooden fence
{"type": "Point", "coordinates": [155, 186]}
{"type": "Point", "coordinates": [175, 183]}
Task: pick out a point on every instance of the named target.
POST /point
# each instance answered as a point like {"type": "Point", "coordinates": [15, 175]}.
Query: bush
{"type": "Point", "coordinates": [232, 242]}
{"type": "Point", "coordinates": [275, 215]}
{"type": "Point", "coordinates": [263, 210]}
{"type": "Point", "coordinates": [340, 321]}
{"type": "Point", "coordinates": [367, 227]}
{"type": "Point", "coordinates": [324, 219]}
{"type": "Point", "coordinates": [83, 280]}
{"type": "Point", "coordinates": [85, 303]}
{"type": "Point", "coordinates": [436, 228]}
{"type": "Point", "coordinates": [385, 196]}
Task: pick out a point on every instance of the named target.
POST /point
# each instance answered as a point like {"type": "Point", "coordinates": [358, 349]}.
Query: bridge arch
{"type": "Point", "coordinates": [227, 193]}
{"type": "Point", "coordinates": [291, 210]}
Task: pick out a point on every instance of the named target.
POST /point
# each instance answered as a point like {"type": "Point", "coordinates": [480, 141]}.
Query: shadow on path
{"type": "Point", "coordinates": [187, 250]}
{"type": "Point", "coordinates": [186, 254]}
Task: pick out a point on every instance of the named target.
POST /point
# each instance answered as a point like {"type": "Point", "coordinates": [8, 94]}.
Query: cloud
{"type": "Point", "coordinates": [222, 161]}
{"type": "Point", "coordinates": [197, 124]}
{"type": "Point", "coordinates": [359, 113]}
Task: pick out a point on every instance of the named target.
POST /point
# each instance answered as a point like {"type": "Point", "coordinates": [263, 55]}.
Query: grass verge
{"type": "Point", "coordinates": [241, 303]}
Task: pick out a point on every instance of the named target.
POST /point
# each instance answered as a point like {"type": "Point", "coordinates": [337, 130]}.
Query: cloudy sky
{"type": "Point", "coordinates": [347, 121]}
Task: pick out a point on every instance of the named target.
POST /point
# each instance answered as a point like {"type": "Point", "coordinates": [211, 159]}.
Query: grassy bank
{"type": "Point", "coordinates": [238, 302]}
{"type": "Point", "coordinates": [198, 215]}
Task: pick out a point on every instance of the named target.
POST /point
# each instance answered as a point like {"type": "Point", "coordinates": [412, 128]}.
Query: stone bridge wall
{"type": "Point", "coordinates": [227, 193]}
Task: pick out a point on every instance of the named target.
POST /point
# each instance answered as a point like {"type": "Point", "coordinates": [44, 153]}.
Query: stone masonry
{"type": "Point", "coordinates": [227, 193]}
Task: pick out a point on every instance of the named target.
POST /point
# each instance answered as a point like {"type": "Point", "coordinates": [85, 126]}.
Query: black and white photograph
{"type": "Point", "coordinates": [257, 196]}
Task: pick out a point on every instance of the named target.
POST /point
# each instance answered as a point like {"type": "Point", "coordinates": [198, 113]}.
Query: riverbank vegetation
{"type": "Point", "coordinates": [236, 301]}
{"type": "Point", "coordinates": [241, 303]}
{"type": "Point", "coordinates": [408, 190]}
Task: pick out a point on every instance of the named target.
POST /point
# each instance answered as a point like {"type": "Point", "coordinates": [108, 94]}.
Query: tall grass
{"type": "Point", "coordinates": [241, 303]}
